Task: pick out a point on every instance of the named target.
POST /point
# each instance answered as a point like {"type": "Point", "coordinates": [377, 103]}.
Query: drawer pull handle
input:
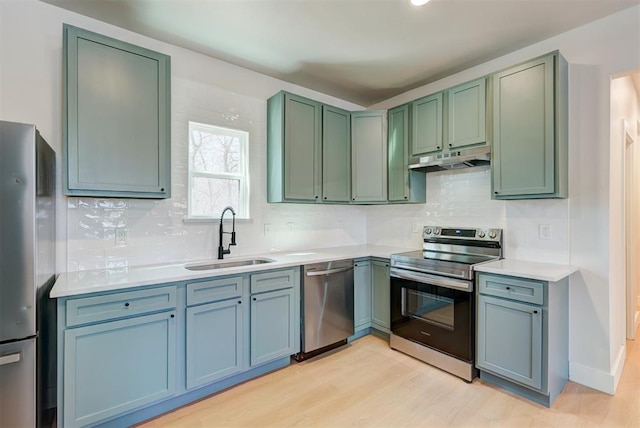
{"type": "Point", "coordinates": [508, 288]}
{"type": "Point", "coordinates": [126, 305]}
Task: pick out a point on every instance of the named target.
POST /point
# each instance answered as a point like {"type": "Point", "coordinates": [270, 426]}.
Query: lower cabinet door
{"type": "Point", "coordinates": [362, 294]}
{"type": "Point", "coordinates": [510, 340]}
{"type": "Point", "coordinates": [272, 326]}
{"type": "Point", "coordinates": [214, 341]}
{"type": "Point", "coordinates": [118, 366]}
{"type": "Point", "coordinates": [380, 306]}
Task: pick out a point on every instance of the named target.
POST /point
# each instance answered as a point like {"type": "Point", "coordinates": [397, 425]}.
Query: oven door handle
{"type": "Point", "coordinates": [431, 279]}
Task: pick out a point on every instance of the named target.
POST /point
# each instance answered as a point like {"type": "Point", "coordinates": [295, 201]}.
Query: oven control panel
{"type": "Point", "coordinates": [430, 232]}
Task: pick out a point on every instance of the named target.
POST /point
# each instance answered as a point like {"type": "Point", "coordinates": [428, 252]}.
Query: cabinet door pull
{"type": "Point", "coordinates": [126, 305]}
{"type": "Point", "coordinates": [239, 302]}
{"type": "Point", "coordinates": [508, 288]}
{"type": "Point", "coordinates": [173, 316]}
{"type": "Point", "coordinates": [535, 312]}
{"type": "Point", "coordinates": [255, 298]}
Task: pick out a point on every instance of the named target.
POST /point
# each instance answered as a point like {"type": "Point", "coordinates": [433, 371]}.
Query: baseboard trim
{"type": "Point", "coordinates": [606, 382]}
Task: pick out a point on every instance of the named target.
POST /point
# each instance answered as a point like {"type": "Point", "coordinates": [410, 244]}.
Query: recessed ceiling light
{"type": "Point", "coordinates": [419, 2]}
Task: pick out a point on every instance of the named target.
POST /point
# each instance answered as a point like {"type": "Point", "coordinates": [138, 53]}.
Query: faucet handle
{"type": "Point", "coordinates": [233, 238]}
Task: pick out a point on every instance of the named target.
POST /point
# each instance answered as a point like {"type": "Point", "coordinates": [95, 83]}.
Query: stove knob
{"type": "Point", "coordinates": [436, 232]}
{"type": "Point", "coordinates": [428, 231]}
{"type": "Point", "coordinates": [492, 234]}
{"type": "Point", "coordinates": [481, 234]}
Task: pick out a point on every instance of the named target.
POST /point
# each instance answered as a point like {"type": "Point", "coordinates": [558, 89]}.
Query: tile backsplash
{"type": "Point", "coordinates": [156, 231]}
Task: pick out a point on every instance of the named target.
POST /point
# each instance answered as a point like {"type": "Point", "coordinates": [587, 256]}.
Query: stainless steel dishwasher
{"type": "Point", "coordinates": [327, 307]}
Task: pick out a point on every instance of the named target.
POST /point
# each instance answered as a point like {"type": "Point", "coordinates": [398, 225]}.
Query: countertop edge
{"type": "Point", "coordinates": [541, 271]}
{"type": "Point", "coordinates": [69, 284]}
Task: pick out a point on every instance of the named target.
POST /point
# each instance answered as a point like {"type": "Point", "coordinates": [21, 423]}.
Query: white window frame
{"type": "Point", "coordinates": [242, 211]}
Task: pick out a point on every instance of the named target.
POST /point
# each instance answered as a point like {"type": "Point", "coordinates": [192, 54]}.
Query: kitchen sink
{"type": "Point", "coordinates": [229, 264]}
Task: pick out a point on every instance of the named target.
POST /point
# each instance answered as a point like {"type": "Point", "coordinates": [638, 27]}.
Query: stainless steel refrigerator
{"type": "Point", "coordinates": [27, 272]}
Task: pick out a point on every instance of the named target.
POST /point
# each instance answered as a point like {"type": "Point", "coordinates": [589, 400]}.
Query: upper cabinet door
{"type": "Point", "coordinates": [426, 125]}
{"type": "Point", "coordinates": [398, 153]}
{"type": "Point", "coordinates": [116, 121]}
{"type": "Point", "coordinates": [302, 169]}
{"type": "Point", "coordinates": [369, 156]}
{"type": "Point", "coordinates": [336, 154]}
{"type": "Point", "coordinates": [530, 145]}
{"type": "Point", "coordinates": [467, 114]}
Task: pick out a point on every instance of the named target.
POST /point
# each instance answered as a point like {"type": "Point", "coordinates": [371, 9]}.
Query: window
{"type": "Point", "coordinates": [218, 173]}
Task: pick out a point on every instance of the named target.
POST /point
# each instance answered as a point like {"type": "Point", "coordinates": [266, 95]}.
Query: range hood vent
{"type": "Point", "coordinates": [459, 159]}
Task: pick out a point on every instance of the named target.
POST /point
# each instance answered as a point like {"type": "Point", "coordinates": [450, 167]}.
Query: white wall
{"type": "Point", "coordinates": [625, 106]}
{"type": "Point", "coordinates": [203, 89]}
{"type": "Point", "coordinates": [581, 223]}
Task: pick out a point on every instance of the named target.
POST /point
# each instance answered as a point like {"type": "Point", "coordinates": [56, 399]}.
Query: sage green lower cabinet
{"type": "Point", "coordinates": [522, 335]}
{"type": "Point", "coordinates": [215, 338]}
{"type": "Point", "coordinates": [126, 356]}
{"type": "Point", "coordinates": [117, 366]}
{"type": "Point", "coordinates": [272, 326]}
{"type": "Point", "coordinates": [530, 120]}
{"type": "Point", "coordinates": [362, 294]}
{"type": "Point", "coordinates": [404, 185]}
{"type": "Point", "coordinates": [380, 300]}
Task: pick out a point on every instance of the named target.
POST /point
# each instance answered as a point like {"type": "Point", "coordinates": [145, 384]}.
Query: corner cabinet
{"type": "Point", "coordinates": [530, 130]}
{"type": "Point", "coordinates": [116, 118]}
{"type": "Point", "coordinates": [369, 156]}
{"type": "Point", "coordinates": [522, 335]}
{"type": "Point", "coordinates": [294, 146]}
{"type": "Point", "coordinates": [404, 185]}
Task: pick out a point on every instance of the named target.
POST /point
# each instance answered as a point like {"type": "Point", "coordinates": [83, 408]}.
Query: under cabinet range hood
{"type": "Point", "coordinates": [458, 159]}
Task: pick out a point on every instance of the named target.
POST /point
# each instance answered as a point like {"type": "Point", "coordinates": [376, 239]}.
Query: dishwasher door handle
{"type": "Point", "coordinates": [328, 271]}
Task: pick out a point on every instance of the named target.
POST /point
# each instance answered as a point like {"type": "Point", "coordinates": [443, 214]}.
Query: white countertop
{"type": "Point", "coordinates": [524, 269]}
{"type": "Point", "coordinates": [101, 280]}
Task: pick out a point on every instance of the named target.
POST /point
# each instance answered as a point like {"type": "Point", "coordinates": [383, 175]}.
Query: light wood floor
{"type": "Point", "coordinates": [369, 385]}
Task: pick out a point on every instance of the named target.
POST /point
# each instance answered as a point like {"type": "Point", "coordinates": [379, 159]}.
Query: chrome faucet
{"type": "Point", "coordinates": [221, 232]}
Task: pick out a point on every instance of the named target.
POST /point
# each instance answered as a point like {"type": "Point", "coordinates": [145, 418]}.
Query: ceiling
{"type": "Point", "coordinates": [363, 51]}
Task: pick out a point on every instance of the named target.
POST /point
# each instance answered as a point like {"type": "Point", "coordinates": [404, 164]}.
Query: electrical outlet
{"type": "Point", "coordinates": [122, 236]}
{"type": "Point", "coordinates": [415, 227]}
{"type": "Point", "coordinates": [339, 225]}
{"type": "Point", "coordinates": [290, 226]}
{"type": "Point", "coordinates": [544, 231]}
{"type": "Point", "coordinates": [267, 229]}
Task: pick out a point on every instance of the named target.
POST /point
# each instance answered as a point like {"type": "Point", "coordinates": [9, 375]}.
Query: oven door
{"type": "Point", "coordinates": [425, 309]}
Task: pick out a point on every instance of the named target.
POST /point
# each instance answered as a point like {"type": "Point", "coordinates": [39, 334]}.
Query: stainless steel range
{"type": "Point", "coordinates": [433, 299]}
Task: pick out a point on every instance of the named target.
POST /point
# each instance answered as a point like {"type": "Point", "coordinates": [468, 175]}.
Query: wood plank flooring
{"type": "Point", "coordinates": [367, 384]}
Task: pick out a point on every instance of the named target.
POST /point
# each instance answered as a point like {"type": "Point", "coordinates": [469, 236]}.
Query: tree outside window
{"type": "Point", "coordinates": [217, 170]}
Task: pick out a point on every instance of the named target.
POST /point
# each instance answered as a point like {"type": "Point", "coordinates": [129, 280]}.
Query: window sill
{"type": "Point", "coordinates": [227, 219]}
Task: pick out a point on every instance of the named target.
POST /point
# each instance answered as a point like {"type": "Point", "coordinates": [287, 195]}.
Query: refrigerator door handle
{"type": "Point", "coordinates": [10, 358]}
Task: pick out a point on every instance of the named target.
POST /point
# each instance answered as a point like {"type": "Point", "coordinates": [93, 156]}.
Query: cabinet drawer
{"type": "Point", "coordinates": [102, 308]}
{"type": "Point", "coordinates": [523, 290]}
{"type": "Point", "coordinates": [274, 280]}
{"type": "Point", "coordinates": [213, 290]}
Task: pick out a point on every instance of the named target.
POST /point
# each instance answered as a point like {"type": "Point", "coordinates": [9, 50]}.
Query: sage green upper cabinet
{"type": "Point", "coordinates": [369, 156]}
{"type": "Point", "coordinates": [293, 148]}
{"type": "Point", "coordinates": [336, 154]}
{"type": "Point", "coordinates": [456, 116]}
{"type": "Point", "coordinates": [426, 125]}
{"type": "Point", "coordinates": [116, 118]}
{"type": "Point", "coordinates": [404, 185]}
{"type": "Point", "coordinates": [467, 114]}
{"type": "Point", "coordinates": [530, 130]}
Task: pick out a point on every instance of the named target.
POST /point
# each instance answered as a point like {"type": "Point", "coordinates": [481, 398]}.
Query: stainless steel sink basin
{"type": "Point", "coordinates": [231, 263]}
